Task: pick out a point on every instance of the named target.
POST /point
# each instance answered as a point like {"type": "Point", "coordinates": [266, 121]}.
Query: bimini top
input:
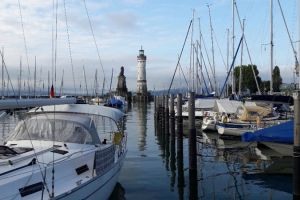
{"type": "Point", "coordinates": [112, 113]}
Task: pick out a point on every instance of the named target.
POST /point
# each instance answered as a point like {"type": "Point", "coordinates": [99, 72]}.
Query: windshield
{"type": "Point", "coordinates": [46, 129]}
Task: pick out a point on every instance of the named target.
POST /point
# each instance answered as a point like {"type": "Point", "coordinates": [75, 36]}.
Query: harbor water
{"type": "Point", "coordinates": [226, 169]}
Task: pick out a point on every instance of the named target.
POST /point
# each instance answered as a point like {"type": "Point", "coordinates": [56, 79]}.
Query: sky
{"type": "Point", "coordinates": [121, 27]}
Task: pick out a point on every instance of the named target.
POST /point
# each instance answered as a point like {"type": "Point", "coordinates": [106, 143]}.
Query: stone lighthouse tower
{"type": "Point", "coordinates": [141, 74]}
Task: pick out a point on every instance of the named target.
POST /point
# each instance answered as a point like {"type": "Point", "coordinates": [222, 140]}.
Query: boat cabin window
{"type": "Point", "coordinates": [105, 125]}
{"type": "Point", "coordinates": [45, 129]}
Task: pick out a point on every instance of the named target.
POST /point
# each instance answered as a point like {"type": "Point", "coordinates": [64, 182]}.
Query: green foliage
{"type": "Point", "coordinates": [277, 80]}
{"type": "Point", "coordinates": [248, 81]}
{"type": "Point", "coordinates": [265, 86]}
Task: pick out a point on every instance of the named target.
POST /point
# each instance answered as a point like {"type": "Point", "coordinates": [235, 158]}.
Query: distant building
{"type": "Point", "coordinates": [121, 86]}
{"type": "Point", "coordinates": [141, 74]}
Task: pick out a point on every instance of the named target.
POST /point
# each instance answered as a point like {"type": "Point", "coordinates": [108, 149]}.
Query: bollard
{"type": "Point", "coordinates": [296, 156]}
{"type": "Point", "coordinates": [172, 134]}
{"type": "Point", "coordinates": [167, 134]}
{"type": "Point", "coordinates": [180, 164]}
{"type": "Point", "coordinates": [180, 171]}
{"type": "Point", "coordinates": [192, 149]}
{"type": "Point", "coordinates": [167, 115]}
{"type": "Point", "coordinates": [155, 105]}
{"type": "Point", "coordinates": [172, 117]}
{"type": "Point", "coordinates": [192, 133]}
{"type": "Point", "coordinates": [163, 114]}
{"type": "Point", "coordinates": [179, 125]}
{"type": "Point", "coordinates": [160, 112]}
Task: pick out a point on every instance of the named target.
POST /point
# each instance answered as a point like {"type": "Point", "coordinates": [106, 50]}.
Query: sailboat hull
{"type": "Point", "coordinates": [100, 187]}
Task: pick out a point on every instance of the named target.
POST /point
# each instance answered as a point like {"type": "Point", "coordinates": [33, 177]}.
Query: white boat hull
{"type": "Point", "coordinates": [208, 125]}
{"type": "Point", "coordinates": [98, 188]}
{"type": "Point", "coordinates": [232, 131]}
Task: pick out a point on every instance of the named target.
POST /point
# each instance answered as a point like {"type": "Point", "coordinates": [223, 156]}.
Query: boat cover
{"type": "Point", "coordinates": [104, 111]}
{"type": "Point", "coordinates": [281, 133]}
{"type": "Point", "coordinates": [226, 106]}
{"type": "Point", "coordinates": [250, 113]}
{"type": "Point", "coordinates": [203, 103]}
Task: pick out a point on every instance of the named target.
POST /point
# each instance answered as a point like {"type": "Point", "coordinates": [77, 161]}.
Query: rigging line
{"type": "Point", "coordinates": [95, 42]}
{"type": "Point", "coordinates": [204, 81]}
{"type": "Point", "coordinates": [96, 83]}
{"type": "Point", "coordinates": [55, 65]}
{"type": "Point", "coordinates": [52, 47]}
{"type": "Point", "coordinates": [205, 68]}
{"type": "Point", "coordinates": [55, 50]}
{"type": "Point", "coordinates": [288, 32]}
{"type": "Point", "coordinates": [223, 60]}
{"type": "Point", "coordinates": [248, 51]}
{"type": "Point", "coordinates": [183, 74]}
{"type": "Point", "coordinates": [69, 45]}
{"type": "Point", "coordinates": [25, 45]}
{"type": "Point", "coordinates": [86, 87]}
{"type": "Point", "coordinates": [112, 74]}
{"type": "Point", "coordinates": [212, 49]}
{"type": "Point", "coordinates": [206, 53]}
{"type": "Point", "coordinates": [232, 64]}
{"type": "Point", "coordinates": [180, 56]}
{"type": "Point", "coordinates": [4, 64]}
{"type": "Point", "coordinates": [202, 71]}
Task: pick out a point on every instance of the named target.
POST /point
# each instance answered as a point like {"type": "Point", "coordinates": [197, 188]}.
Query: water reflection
{"type": "Point", "coordinates": [180, 162]}
{"type": "Point", "coordinates": [173, 154]}
{"type": "Point", "coordinates": [118, 193]}
{"type": "Point", "coordinates": [142, 122]}
{"type": "Point", "coordinates": [249, 163]}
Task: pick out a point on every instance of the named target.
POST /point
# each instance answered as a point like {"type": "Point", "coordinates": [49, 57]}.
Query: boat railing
{"type": "Point", "coordinates": [104, 159]}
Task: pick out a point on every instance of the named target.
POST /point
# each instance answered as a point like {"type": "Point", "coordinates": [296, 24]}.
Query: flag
{"type": "Point", "coordinates": [52, 92]}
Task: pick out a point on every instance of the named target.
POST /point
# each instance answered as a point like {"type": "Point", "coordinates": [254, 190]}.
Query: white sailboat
{"type": "Point", "coordinates": [63, 152]}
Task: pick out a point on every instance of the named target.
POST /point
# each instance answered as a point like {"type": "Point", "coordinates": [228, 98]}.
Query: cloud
{"type": "Point", "coordinates": [123, 20]}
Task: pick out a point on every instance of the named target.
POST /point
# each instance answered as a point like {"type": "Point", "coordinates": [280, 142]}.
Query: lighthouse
{"type": "Point", "coordinates": [141, 74]}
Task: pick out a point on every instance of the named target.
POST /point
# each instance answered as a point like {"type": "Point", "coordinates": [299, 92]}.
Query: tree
{"type": "Point", "coordinates": [277, 80]}
{"type": "Point", "coordinates": [265, 86]}
{"type": "Point", "coordinates": [248, 80]}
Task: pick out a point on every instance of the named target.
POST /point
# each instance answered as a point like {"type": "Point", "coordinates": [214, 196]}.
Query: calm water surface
{"type": "Point", "coordinates": [226, 169]}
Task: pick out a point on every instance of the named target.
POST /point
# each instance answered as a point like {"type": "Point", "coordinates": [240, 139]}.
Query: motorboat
{"type": "Point", "coordinates": [63, 152]}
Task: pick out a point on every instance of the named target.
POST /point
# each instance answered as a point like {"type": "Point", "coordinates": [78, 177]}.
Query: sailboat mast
{"type": "Point", "coordinates": [297, 67]}
{"type": "Point", "coordinates": [112, 74]}
{"type": "Point", "coordinates": [96, 83]}
{"type": "Point", "coordinates": [86, 87]}
{"type": "Point", "coordinates": [200, 53]}
{"type": "Point", "coordinates": [20, 78]}
{"type": "Point", "coordinates": [62, 83]}
{"type": "Point", "coordinates": [191, 75]}
{"type": "Point", "coordinates": [2, 73]}
{"type": "Point", "coordinates": [241, 74]}
{"type": "Point", "coordinates": [271, 45]}
{"type": "Point", "coordinates": [34, 78]}
{"type": "Point", "coordinates": [48, 82]}
{"type": "Point", "coordinates": [227, 64]}
{"type": "Point", "coordinates": [233, 38]}
{"type": "Point", "coordinates": [212, 51]}
{"type": "Point", "coordinates": [197, 65]}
